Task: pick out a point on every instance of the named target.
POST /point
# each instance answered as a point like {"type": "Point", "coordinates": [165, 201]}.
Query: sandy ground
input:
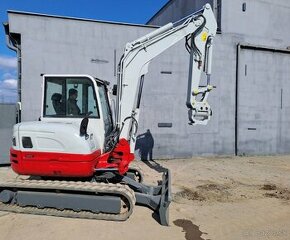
{"type": "Point", "coordinates": [213, 198]}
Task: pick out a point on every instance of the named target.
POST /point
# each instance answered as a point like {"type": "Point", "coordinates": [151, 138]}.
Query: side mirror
{"type": "Point", "coordinates": [114, 91]}
{"type": "Point", "coordinates": [84, 127]}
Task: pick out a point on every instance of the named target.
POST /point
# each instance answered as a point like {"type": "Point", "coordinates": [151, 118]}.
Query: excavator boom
{"type": "Point", "coordinates": [198, 30]}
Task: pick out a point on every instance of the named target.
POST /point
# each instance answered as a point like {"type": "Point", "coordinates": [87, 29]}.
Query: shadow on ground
{"type": "Point", "coordinates": [192, 231]}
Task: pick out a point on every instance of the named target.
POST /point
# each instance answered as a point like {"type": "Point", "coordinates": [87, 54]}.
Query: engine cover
{"type": "Point", "coordinates": [53, 149]}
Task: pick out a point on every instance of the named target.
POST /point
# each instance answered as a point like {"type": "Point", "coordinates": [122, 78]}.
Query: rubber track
{"type": "Point", "coordinates": [54, 186]}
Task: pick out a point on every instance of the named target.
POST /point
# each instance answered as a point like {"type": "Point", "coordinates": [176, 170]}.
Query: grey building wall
{"type": "Point", "coordinates": [60, 45]}
{"type": "Point", "coordinates": [177, 9]}
{"type": "Point", "coordinates": [7, 120]}
{"type": "Point", "coordinates": [263, 19]}
{"type": "Point", "coordinates": [254, 96]}
{"type": "Point", "coordinates": [263, 102]}
{"type": "Point", "coordinates": [239, 125]}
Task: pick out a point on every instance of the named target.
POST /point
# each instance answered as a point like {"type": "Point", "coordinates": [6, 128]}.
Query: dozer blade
{"type": "Point", "coordinates": [165, 199]}
{"type": "Point", "coordinates": [157, 198]}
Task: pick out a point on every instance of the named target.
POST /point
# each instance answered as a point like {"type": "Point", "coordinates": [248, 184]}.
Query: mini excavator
{"type": "Point", "coordinates": [81, 154]}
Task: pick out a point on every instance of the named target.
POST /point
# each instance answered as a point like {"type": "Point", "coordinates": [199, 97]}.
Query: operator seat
{"type": "Point", "coordinates": [57, 103]}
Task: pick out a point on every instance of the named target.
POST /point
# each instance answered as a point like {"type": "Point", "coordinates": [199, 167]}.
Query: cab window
{"type": "Point", "coordinates": [70, 97]}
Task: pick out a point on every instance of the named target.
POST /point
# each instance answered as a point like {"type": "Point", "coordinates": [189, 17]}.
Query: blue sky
{"type": "Point", "coordinates": [129, 11]}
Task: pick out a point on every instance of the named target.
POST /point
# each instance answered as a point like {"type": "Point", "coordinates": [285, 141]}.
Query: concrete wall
{"type": "Point", "coordinates": [260, 127]}
{"type": "Point", "coordinates": [183, 140]}
{"type": "Point", "coordinates": [7, 120]}
{"type": "Point", "coordinates": [57, 45]}
{"type": "Point", "coordinates": [175, 10]}
{"type": "Point", "coordinates": [263, 80]}
{"type": "Point", "coordinates": [263, 102]}
{"type": "Point", "coordinates": [263, 19]}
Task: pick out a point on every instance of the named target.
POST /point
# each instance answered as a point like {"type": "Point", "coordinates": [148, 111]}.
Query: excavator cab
{"type": "Point", "coordinates": [55, 145]}
{"type": "Point", "coordinates": [76, 97]}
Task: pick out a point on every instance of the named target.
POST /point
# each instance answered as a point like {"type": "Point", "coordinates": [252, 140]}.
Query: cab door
{"type": "Point", "coordinates": [71, 98]}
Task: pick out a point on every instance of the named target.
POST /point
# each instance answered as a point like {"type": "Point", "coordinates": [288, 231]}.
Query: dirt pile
{"type": "Point", "coordinates": [276, 192]}
{"type": "Point", "coordinates": [207, 192]}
